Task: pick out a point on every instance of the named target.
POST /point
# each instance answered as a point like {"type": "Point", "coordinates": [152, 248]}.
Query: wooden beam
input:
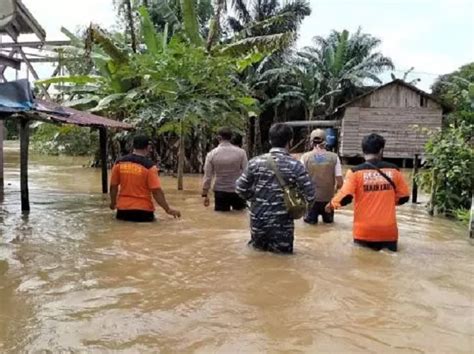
{"type": "Point", "coordinates": [103, 158]}
{"type": "Point", "coordinates": [2, 133]}
{"type": "Point", "coordinates": [4, 67]}
{"type": "Point", "coordinates": [34, 44]}
{"type": "Point", "coordinates": [414, 190]}
{"type": "Point", "coordinates": [314, 123]}
{"type": "Point", "coordinates": [24, 127]}
{"type": "Point", "coordinates": [11, 62]}
{"type": "Point", "coordinates": [33, 72]}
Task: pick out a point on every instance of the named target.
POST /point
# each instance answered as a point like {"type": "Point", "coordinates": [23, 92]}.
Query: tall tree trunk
{"type": "Point", "coordinates": [215, 26]}
{"type": "Point", "coordinates": [275, 113]}
{"type": "Point", "coordinates": [181, 157]}
{"type": "Point", "coordinates": [311, 113]}
{"type": "Point", "coordinates": [249, 139]}
{"type": "Point", "coordinates": [258, 137]}
{"type": "Point", "coordinates": [131, 24]}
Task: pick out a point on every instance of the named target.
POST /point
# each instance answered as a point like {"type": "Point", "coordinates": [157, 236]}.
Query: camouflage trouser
{"type": "Point", "coordinates": [275, 235]}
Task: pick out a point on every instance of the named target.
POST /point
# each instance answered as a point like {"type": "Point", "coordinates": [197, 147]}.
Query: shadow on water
{"type": "Point", "coordinates": [74, 279]}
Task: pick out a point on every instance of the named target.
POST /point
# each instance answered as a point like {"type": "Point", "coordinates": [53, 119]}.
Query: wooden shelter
{"type": "Point", "coordinates": [398, 111]}
{"type": "Point", "coordinates": [17, 103]}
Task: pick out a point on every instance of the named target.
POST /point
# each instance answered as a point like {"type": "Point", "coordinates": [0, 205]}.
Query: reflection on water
{"type": "Point", "coordinates": [73, 279]}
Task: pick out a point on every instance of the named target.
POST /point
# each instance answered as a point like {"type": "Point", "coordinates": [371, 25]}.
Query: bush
{"type": "Point", "coordinates": [449, 172]}
{"type": "Point", "coordinates": [66, 139]}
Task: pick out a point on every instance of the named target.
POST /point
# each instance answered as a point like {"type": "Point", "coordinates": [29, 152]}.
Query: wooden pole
{"type": "Point", "coordinates": [181, 157]}
{"type": "Point", "coordinates": [471, 222]}
{"type": "Point", "coordinates": [24, 144]}
{"type": "Point", "coordinates": [1, 156]}
{"type": "Point", "coordinates": [414, 191]}
{"type": "Point", "coordinates": [103, 158]}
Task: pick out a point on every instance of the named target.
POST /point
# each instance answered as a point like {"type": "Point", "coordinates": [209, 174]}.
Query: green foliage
{"type": "Point", "coordinates": [67, 140]}
{"type": "Point", "coordinates": [463, 215]}
{"type": "Point", "coordinates": [449, 173]}
{"type": "Point", "coordinates": [190, 22]}
{"type": "Point", "coordinates": [456, 92]}
{"type": "Point", "coordinates": [456, 89]}
{"type": "Point", "coordinates": [344, 61]}
{"type": "Point", "coordinates": [187, 85]}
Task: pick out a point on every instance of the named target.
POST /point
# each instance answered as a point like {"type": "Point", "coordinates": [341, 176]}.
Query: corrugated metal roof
{"type": "Point", "coordinates": [68, 115]}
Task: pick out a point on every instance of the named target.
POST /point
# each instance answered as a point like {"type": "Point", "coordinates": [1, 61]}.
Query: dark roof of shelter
{"type": "Point", "coordinates": [396, 81]}
{"type": "Point", "coordinates": [68, 115]}
{"type": "Point", "coordinates": [17, 97]}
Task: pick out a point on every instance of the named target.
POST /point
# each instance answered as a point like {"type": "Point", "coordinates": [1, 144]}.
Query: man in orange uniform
{"type": "Point", "coordinates": [377, 188]}
{"type": "Point", "coordinates": [137, 177]}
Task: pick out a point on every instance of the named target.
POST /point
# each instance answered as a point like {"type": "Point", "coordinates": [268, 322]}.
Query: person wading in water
{"type": "Point", "coordinates": [325, 170]}
{"type": "Point", "coordinates": [377, 187]}
{"type": "Point", "coordinates": [226, 162]}
{"type": "Point", "coordinates": [133, 183]}
{"type": "Point", "coordinates": [272, 227]}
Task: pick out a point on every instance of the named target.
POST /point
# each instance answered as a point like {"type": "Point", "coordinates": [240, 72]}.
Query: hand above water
{"type": "Point", "coordinates": [112, 206]}
{"type": "Point", "coordinates": [328, 208]}
{"type": "Point", "coordinates": [174, 213]}
{"type": "Point", "coordinates": [207, 201]}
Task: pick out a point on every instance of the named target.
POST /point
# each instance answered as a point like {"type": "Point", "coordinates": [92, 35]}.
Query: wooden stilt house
{"type": "Point", "coordinates": [398, 111]}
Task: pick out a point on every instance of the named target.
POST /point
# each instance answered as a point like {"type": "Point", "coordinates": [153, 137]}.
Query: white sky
{"type": "Point", "coordinates": [434, 36]}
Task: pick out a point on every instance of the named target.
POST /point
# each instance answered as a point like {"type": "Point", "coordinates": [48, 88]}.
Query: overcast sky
{"type": "Point", "coordinates": [434, 36]}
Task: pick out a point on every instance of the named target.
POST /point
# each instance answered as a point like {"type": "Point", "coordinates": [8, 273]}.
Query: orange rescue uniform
{"type": "Point", "coordinates": [137, 177]}
{"type": "Point", "coordinates": [375, 200]}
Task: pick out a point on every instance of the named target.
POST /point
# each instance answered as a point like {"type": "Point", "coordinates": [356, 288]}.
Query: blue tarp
{"type": "Point", "coordinates": [16, 96]}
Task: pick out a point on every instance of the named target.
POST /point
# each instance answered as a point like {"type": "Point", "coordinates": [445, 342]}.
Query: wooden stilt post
{"type": "Point", "coordinates": [103, 158]}
{"type": "Point", "coordinates": [471, 222]}
{"type": "Point", "coordinates": [414, 191]}
{"type": "Point", "coordinates": [24, 145]}
{"type": "Point", "coordinates": [2, 133]}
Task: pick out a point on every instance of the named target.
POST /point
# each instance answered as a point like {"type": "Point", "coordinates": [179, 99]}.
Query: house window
{"type": "Point", "coordinates": [422, 101]}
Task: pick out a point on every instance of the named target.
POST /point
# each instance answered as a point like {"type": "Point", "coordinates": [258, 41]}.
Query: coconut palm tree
{"type": "Point", "coordinates": [345, 61]}
{"type": "Point", "coordinates": [261, 23]}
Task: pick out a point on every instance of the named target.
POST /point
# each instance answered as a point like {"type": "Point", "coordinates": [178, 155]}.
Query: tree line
{"type": "Point", "coordinates": [179, 69]}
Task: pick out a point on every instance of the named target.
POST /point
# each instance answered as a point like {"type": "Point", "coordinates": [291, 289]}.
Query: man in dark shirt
{"type": "Point", "coordinates": [272, 228]}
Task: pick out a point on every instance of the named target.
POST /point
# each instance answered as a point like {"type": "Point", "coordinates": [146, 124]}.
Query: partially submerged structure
{"type": "Point", "coordinates": [400, 112]}
{"type": "Point", "coordinates": [17, 103]}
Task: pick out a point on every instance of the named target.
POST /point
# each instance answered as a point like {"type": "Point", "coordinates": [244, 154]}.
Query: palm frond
{"type": "Point", "coordinates": [96, 36]}
{"type": "Point", "coordinates": [190, 22]}
{"type": "Point", "coordinates": [77, 80]}
{"type": "Point", "coordinates": [168, 14]}
{"type": "Point", "coordinates": [269, 43]}
{"type": "Point", "coordinates": [152, 40]}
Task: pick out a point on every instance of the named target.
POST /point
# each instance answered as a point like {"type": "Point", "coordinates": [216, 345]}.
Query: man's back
{"type": "Point", "coordinates": [226, 162]}
{"type": "Point", "coordinates": [374, 200]}
{"type": "Point", "coordinates": [261, 187]}
{"type": "Point", "coordinates": [321, 166]}
{"type": "Point", "coordinates": [137, 177]}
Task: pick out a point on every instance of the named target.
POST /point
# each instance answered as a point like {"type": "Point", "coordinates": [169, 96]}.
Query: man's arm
{"type": "Point", "coordinates": [403, 191]}
{"type": "Point", "coordinates": [160, 199]}
{"type": "Point", "coordinates": [113, 196]}
{"type": "Point", "coordinates": [304, 183]}
{"type": "Point", "coordinates": [244, 184]}
{"type": "Point", "coordinates": [114, 186]}
{"type": "Point", "coordinates": [244, 163]}
{"type": "Point", "coordinates": [207, 179]}
{"type": "Point", "coordinates": [345, 194]}
{"type": "Point", "coordinates": [338, 174]}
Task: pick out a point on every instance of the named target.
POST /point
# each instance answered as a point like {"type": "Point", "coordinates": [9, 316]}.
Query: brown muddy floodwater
{"type": "Point", "coordinates": [72, 279]}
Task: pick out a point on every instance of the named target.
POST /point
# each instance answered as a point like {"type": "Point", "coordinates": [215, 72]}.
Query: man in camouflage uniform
{"type": "Point", "coordinates": [272, 228]}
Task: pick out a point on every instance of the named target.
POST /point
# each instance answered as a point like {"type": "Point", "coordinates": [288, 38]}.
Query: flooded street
{"type": "Point", "coordinates": [74, 279]}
